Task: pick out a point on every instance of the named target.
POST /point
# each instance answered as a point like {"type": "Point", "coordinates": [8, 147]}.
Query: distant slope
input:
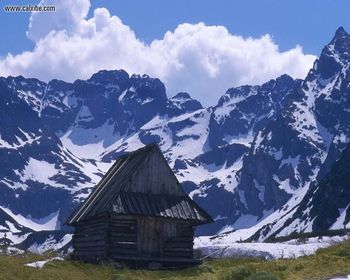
{"type": "Point", "coordinates": [249, 160]}
{"type": "Point", "coordinates": [327, 204]}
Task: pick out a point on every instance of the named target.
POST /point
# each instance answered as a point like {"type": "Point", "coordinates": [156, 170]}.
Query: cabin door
{"type": "Point", "coordinates": [150, 237]}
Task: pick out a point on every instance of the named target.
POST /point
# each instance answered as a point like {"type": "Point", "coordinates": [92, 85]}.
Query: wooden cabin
{"type": "Point", "coordinates": [137, 212]}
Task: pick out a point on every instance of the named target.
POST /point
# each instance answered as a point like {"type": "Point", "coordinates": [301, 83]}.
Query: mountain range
{"type": "Point", "coordinates": [269, 160]}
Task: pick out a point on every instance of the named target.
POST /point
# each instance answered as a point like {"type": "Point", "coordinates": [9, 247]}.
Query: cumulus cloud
{"type": "Point", "coordinates": [203, 60]}
{"type": "Point", "coordinates": [68, 16]}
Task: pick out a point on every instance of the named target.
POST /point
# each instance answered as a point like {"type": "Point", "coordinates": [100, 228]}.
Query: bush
{"type": "Point", "coordinates": [343, 252]}
{"type": "Point", "coordinates": [205, 268]}
{"type": "Point", "coordinates": [281, 267]}
{"type": "Point", "coordinates": [118, 277]}
{"type": "Point", "coordinates": [262, 276]}
{"type": "Point", "coordinates": [298, 267]}
{"type": "Point", "coordinates": [238, 273]}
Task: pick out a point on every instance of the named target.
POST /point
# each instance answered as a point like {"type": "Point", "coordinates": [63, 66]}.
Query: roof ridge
{"type": "Point", "coordinates": [146, 147]}
{"type": "Point", "coordinates": [115, 184]}
{"type": "Point", "coordinates": [99, 188]}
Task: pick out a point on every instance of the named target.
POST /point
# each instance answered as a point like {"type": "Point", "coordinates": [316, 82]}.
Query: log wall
{"type": "Point", "coordinates": [123, 236]}
{"type": "Point", "coordinates": [90, 240]}
{"type": "Point", "coordinates": [180, 245]}
{"type": "Point", "coordinates": [118, 236]}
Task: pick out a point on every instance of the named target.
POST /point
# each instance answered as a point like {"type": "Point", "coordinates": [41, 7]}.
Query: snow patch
{"type": "Point", "coordinates": [50, 244]}
{"type": "Point", "coordinates": [40, 171]}
{"type": "Point", "coordinates": [49, 222]}
{"type": "Point", "coordinates": [217, 248]}
{"type": "Point", "coordinates": [89, 143]}
{"type": "Point", "coordinates": [40, 264]}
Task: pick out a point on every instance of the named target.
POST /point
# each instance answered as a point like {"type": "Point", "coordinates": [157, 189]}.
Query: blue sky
{"type": "Point", "coordinates": [203, 59]}
{"type": "Point", "coordinates": [310, 23]}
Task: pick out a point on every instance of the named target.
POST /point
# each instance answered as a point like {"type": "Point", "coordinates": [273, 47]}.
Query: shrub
{"type": "Point", "coordinates": [262, 276]}
{"type": "Point", "coordinates": [343, 252]}
{"type": "Point", "coordinates": [281, 267]}
{"type": "Point", "coordinates": [298, 267]}
{"type": "Point", "coordinates": [118, 277]}
{"type": "Point", "coordinates": [205, 268]}
{"type": "Point", "coordinates": [238, 273]}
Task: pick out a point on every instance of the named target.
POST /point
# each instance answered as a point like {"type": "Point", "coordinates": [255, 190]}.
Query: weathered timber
{"type": "Point", "coordinates": [137, 212]}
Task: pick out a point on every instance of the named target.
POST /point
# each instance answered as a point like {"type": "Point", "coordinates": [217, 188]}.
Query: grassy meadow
{"type": "Point", "coordinates": [325, 263]}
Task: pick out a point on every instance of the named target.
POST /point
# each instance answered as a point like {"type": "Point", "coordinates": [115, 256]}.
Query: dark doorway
{"type": "Point", "coordinates": [150, 239]}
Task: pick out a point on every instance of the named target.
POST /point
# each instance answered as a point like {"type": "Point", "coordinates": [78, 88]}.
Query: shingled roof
{"type": "Point", "coordinates": [115, 193]}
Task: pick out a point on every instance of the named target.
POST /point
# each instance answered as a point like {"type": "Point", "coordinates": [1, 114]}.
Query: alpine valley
{"type": "Point", "coordinates": [266, 161]}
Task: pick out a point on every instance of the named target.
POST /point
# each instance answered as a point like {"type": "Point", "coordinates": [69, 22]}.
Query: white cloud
{"type": "Point", "coordinates": [203, 60]}
{"type": "Point", "coordinates": [68, 16]}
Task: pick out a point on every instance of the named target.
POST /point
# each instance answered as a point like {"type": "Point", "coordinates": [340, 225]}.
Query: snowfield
{"type": "Point", "coordinates": [50, 244]}
{"type": "Point", "coordinates": [40, 264]}
{"type": "Point", "coordinates": [214, 248]}
{"type": "Point", "coordinates": [341, 278]}
{"type": "Point", "coordinates": [48, 223]}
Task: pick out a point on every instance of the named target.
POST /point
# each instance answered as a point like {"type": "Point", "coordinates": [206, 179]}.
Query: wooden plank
{"type": "Point", "coordinates": [91, 222]}
{"type": "Point", "coordinates": [122, 229]}
{"type": "Point", "coordinates": [89, 236]}
{"type": "Point", "coordinates": [131, 227]}
{"type": "Point", "coordinates": [96, 225]}
{"type": "Point", "coordinates": [124, 217]}
{"type": "Point", "coordinates": [122, 222]}
{"type": "Point", "coordinates": [114, 241]}
{"type": "Point", "coordinates": [180, 240]}
{"type": "Point", "coordinates": [121, 234]}
{"type": "Point", "coordinates": [91, 229]}
{"type": "Point", "coordinates": [89, 249]}
{"type": "Point", "coordinates": [178, 250]}
{"type": "Point", "coordinates": [88, 253]}
{"type": "Point", "coordinates": [98, 249]}
{"type": "Point", "coordinates": [91, 232]}
{"type": "Point", "coordinates": [123, 239]}
{"type": "Point", "coordinates": [92, 235]}
{"type": "Point", "coordinates": [124, 246]}
{"type": "Point", "coordinates": [178, 245]}
{"type": "Point", "coordinates": [177, 255]}
{"type": "Point", "coordinates": [93, 242]}
{"type": "Point", "coordinates": [119, 228]}
{"type": "Point", "coordinates": [122, 253]}
{"type": "Point", "coordinates": [120, 250]}
{"type": "Point", "coordinates": [90, 241]}
{"type": "Point", "coordinates": [162, 259]}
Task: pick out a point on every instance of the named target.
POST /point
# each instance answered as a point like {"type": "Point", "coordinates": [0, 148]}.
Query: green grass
{"type": "Point", "coordinates": [325, 263]}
